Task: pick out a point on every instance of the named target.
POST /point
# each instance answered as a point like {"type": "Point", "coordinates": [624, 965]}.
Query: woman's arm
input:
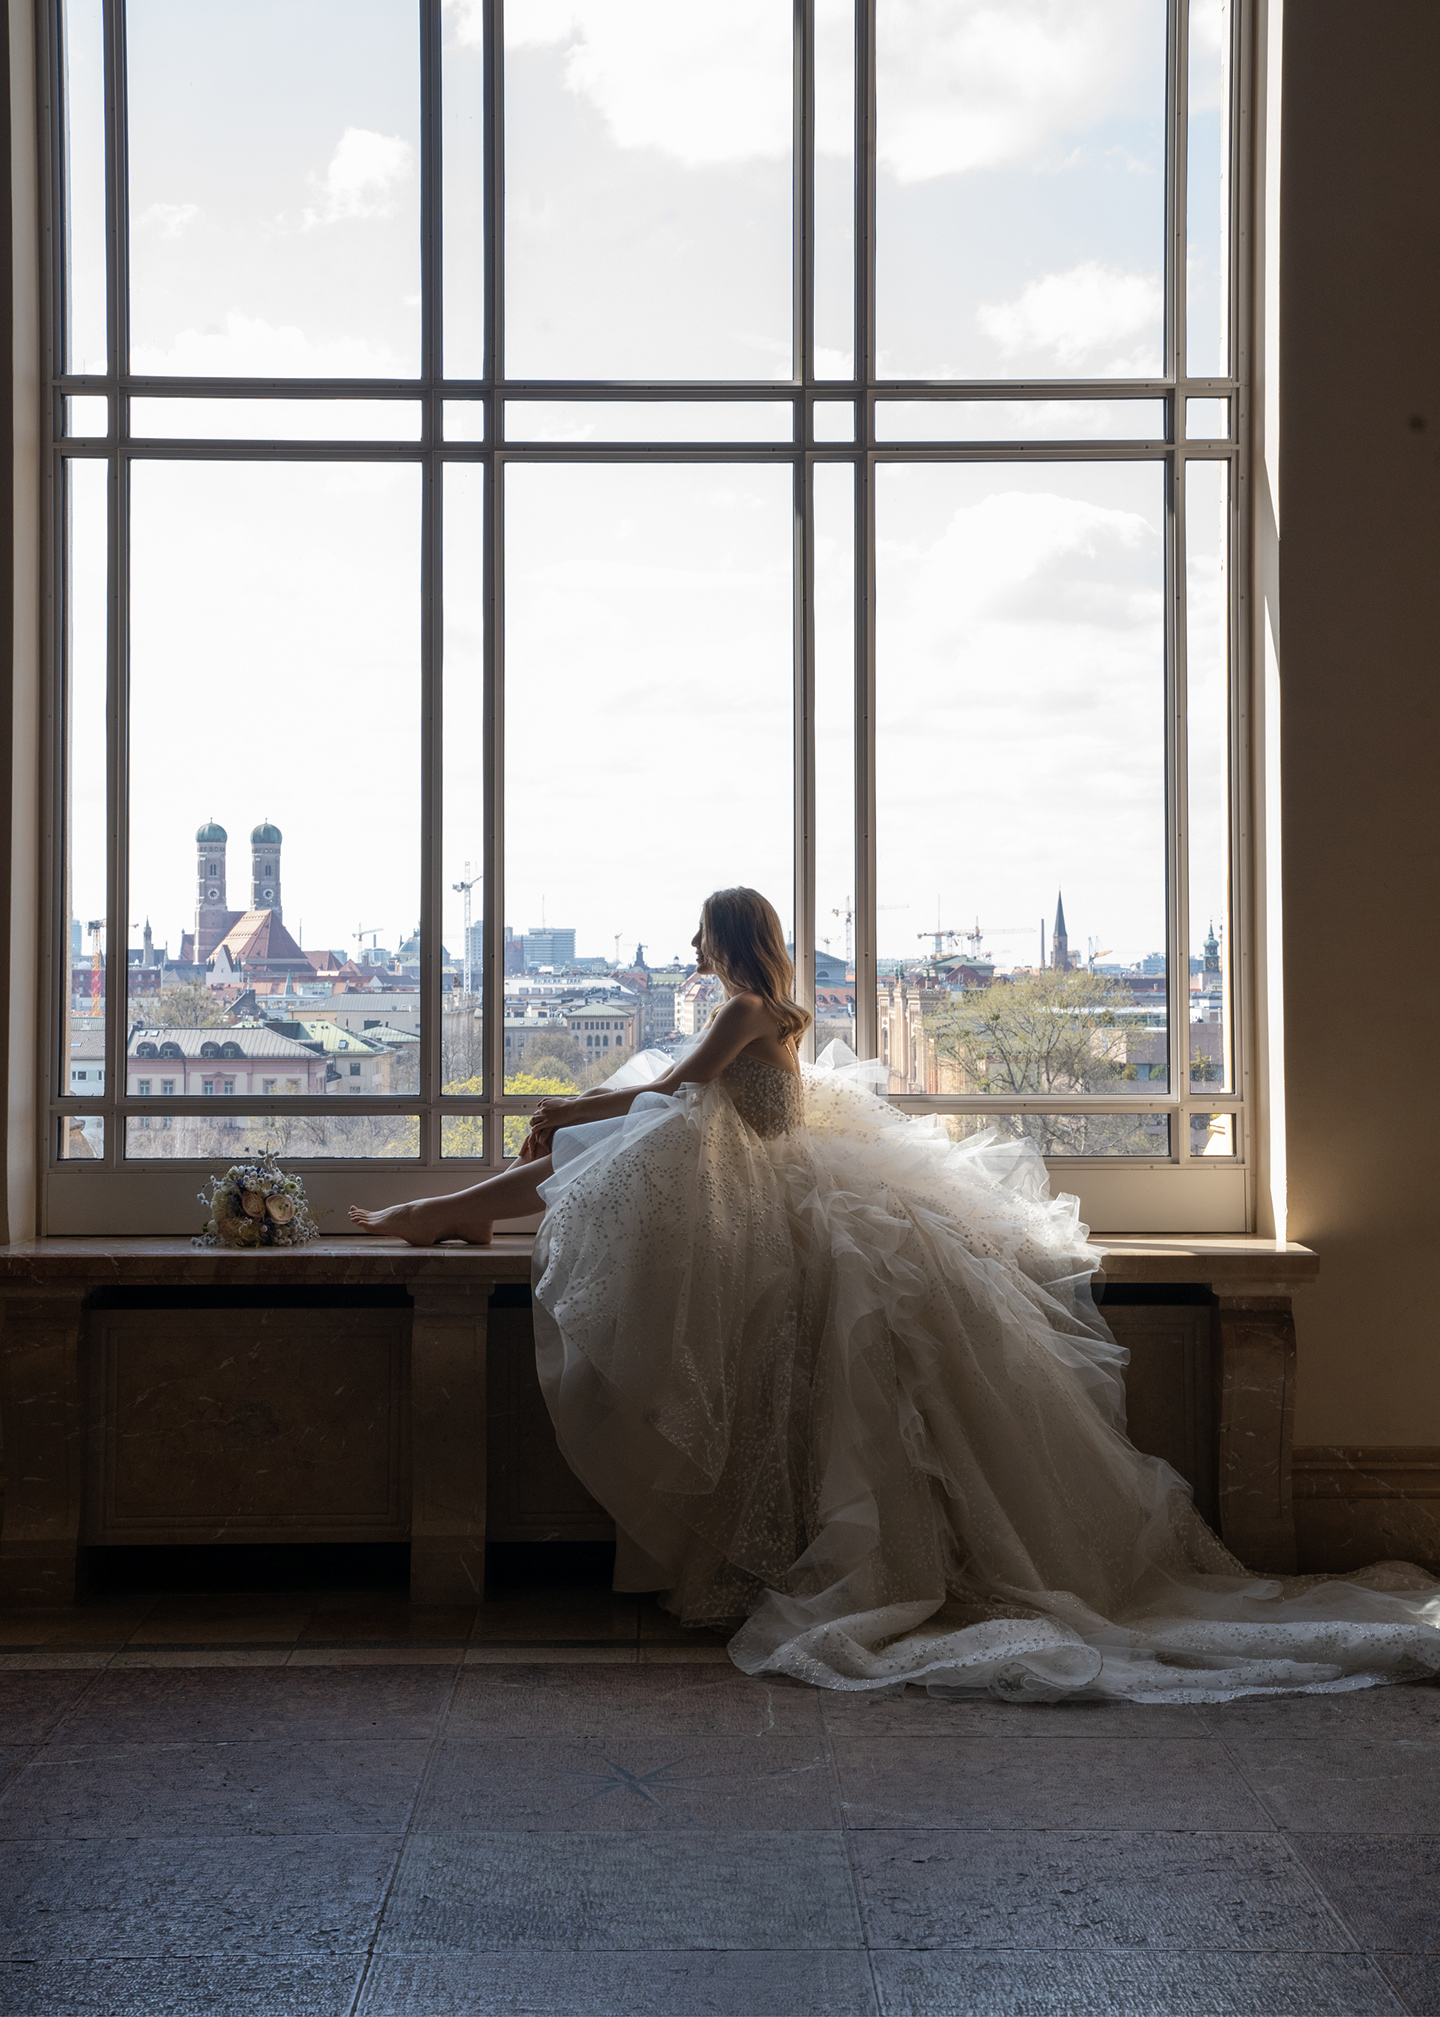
{"type": "Point", "coordinates": [738, 1023]}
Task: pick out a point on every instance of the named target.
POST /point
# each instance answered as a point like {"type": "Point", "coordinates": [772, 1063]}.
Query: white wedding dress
{"type": "Point", "coordinates": [841, 1377]}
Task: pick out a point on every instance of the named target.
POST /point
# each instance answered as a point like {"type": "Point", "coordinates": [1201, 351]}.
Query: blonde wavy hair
{"type": "Point", "coordinates": [741, 934]}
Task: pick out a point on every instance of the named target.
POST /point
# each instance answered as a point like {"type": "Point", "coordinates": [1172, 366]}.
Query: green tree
{"type": "Point", "coordinates": [1050, 1032]}
{"type": "Point", "coordinates": [190, 1006]}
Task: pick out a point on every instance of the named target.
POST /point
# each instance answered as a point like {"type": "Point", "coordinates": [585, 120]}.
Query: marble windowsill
{"type": "Point", "coordinates": [1231, 1262]}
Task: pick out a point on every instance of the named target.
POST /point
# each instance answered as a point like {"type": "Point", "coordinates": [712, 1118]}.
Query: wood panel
{"type": "Point", "coordinates": [534, 1495]}
{"type": "Point", "coordinates": [235, 1425]}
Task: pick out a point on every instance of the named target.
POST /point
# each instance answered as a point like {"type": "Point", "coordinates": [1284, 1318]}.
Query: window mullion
{"type": "Point", "coordinates": [117, 890]}
{"type": "Point", "coordinates": [867, 1036]}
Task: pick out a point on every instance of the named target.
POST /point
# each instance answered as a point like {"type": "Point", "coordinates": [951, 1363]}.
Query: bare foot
{"type": "Point", "coordinates": [424, 1223]}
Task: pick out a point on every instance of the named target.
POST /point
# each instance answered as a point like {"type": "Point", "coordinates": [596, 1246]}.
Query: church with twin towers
{"type": "Point", "coordinates": [254, 938]}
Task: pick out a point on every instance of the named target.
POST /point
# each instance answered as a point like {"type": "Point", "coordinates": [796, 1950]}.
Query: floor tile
{"type": "Point", "coordinates": [1386, 1890]}
{"type": "Point", "coordinates": [1346, 1784]}
{"type": "Point", "coordinates": [1408, 1711]}
{"type": "Point", "coordinates": [213, 1789]}
{"type": "Point", "coordinates": [596, 1701]}
{"type": "Point", "coordinates": [636, 1782]}
{"type": "Point", "coordinates": [1050, 1889]}
{"type": "Point", "coordinates": [986, 1782]}
{"type": "Point", "coordinates": [1132, 1985]}
{"type": "Point", "coordinates": [660, 1626]}
{"type": "Point", "coordinates": [391, 1704]}
{"type": "Point", "coordinates": [99, 1624]}
{"type": "Point", "coordinates": [620, 1985]}
{"type": "Point", "coordinates": [618, 1655]}
{"type": "Point", "coordinates": [1417, 1978]}
{"type": "Point", "coordinates": [202, 1656]}
{"type": "Point", "coordinates": [245, 1895]}
{"type": "Point", "coordinates": [179, 1988]}
{"type": "Point", "coordinates": [195, 1621]}
{"type": "Point", "coordinates": [387, 1621]}
{"type": "Point", "coordinates": [32, 1704]}
{"type": "Point", "coordinates": [58, 1659]}
{"type": "Point", "coordinates": [448, 1657]}
{"type": "Point", "coordinates": [916, 1714]}
{"type": "Point", "coordinates": [556, 1618]}
{"type": "Point", "coordinates": [464, 1894]}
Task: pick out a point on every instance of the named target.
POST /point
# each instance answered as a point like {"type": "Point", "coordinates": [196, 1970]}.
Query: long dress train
{"type": "Point", "coordinates": [837, 1375]}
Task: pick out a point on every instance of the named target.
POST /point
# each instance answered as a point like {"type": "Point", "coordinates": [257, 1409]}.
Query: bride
{"type": "Point", "coordinates": [841, 1377]}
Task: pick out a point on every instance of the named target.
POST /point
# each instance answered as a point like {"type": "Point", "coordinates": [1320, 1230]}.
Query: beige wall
{"type": "Point", "coordinates": [1360, 618]}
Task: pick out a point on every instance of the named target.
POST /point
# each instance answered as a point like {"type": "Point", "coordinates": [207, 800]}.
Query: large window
{"type": "Point", "coordinates": [520, 466]}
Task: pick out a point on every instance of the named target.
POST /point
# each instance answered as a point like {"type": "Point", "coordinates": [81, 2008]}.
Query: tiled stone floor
{"type": "Point", "coordinates": [318, 1805]}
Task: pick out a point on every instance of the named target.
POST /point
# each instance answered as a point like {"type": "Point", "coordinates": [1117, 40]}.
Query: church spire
{"type": "Point", "coordinates": [1060, 940]}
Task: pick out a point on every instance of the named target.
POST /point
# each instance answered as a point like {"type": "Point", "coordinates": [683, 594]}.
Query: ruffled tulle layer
{"type": "Point", "coordinates": [849, 1384]}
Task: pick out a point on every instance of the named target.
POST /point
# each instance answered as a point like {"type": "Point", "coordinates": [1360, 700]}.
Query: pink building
{"type": "Point", "coordinates": [222, 1063]}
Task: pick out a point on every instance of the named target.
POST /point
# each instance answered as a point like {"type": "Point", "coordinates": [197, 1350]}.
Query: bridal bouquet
{"type": "Point", "coordinates": [256, 1205]}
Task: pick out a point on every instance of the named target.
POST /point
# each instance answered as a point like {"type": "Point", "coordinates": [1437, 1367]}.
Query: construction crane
{"type": "Point", "coordinates": [974, 939]}
{"type": "Point", "coordinates": [465, 888]}
{"type": "Point", "coordinates": [848, 914]}
{"type": "Point", "coordinates": [97, 960]}
{"type": "Point", "coordinates": [362, 932]}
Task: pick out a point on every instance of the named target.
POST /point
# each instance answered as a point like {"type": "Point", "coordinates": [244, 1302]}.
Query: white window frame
{"type": "Point", "coordinates": [1175, 1193]}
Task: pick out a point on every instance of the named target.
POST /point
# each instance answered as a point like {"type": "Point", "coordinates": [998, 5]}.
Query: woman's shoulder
{"type": "Point", "coordinates": [745, 1008]}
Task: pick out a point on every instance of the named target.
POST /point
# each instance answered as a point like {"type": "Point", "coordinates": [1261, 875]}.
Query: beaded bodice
{"type": "Point", "coordinates": [767, 1097]}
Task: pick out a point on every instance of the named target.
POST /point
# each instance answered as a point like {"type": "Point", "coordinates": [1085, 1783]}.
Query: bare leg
{"type": "Point", "coordinates": [463, 1215]}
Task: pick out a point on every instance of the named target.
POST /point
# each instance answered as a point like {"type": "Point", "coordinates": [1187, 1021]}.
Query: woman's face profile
{"type": "Point", "coordinates": [702, 958]}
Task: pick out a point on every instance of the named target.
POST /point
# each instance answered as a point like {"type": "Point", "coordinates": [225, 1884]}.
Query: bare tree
{"type": "Point", "coordinates": [190, 1006]}
{"type": "Point", "coordinates": [1050, 1032]}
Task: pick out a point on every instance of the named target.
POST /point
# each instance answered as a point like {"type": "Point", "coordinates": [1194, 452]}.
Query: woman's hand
{"type": "Point", "coordinates": [552, 1113]}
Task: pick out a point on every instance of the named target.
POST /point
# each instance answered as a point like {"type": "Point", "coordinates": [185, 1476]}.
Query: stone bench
{"type": "Point", "coordinates": [357, 1390]}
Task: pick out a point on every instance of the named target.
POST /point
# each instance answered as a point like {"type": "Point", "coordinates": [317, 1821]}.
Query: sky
{"type": "Point", "coordinates": [275, 624]}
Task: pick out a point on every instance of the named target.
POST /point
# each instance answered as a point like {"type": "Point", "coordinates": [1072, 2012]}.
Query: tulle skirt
{"type": "Point", "coordinates": [850, 1387]}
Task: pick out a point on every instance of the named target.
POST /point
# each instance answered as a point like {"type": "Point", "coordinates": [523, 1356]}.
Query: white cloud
{"type": "Point", "coordinates": [248, 346]}
{"type": "Point", "coordinates": [363, 178]}
{"type": "Point", "coordinates": [974, 84]}
{"type": "Point", "coordinates": [706, 85]}
{"type": "Point", "coordinates": [1091, 315]}
{"type": "Point", "coordinates": [167, 220]}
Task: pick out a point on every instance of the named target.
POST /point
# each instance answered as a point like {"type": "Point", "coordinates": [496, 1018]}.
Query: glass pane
{"type": "Point", "coordinates": [647, 420]}
{"type": "Point", "coordinates": [82, 54]}
{"type": "Point", "coordinates": [79, 1139]}
{"type": "Point", "coordinates": [86, 631]}
{"type": "Point", "coordinates": [834, 189]}
{"type": "Point", "coordinates": [462, 73]}
{"type": "Point", "coordinates": [464, 1135]}
{"type": "Point", "coordinates": [834, 522]}
{"type": "Point", "coordinates": [464, 420]}
{"type": "Point", "coordinates": [88, 416]}
{"type": "Point", "coordinates": [649, 693]}
{"type": "Point", "coordinates": [275, 189]}
{"type": "Point", "coordinates": [228, 1138]}
{"type": "Point", "coordinates": [833, 419]}
{"type": "Point", "coordinates": [1213, 1134]}
{"type": "Point", "coordinates": [1207, 340]}
{"type": "Point", "coordinates": [462, 1048]}
{"type": "Point", "coordinates": [1207, 419]}
{"type": "Point", "coordinates": [1019, 420]}
{"type": "Point", "coordinates": [1207, 625]}
{"type": "Point", "coordinates": [1020, 192]}
{"type": "Point", "coordinates": [296, 734]}
{"type": "Point", "coordinates": [276, 419]}
{"type": "Point", "coordinates": [1070, 1134]}
{"type": "Point", "coordinates": [648, 190]}
{"type": "Point", "coordinates": [1021, 777]}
